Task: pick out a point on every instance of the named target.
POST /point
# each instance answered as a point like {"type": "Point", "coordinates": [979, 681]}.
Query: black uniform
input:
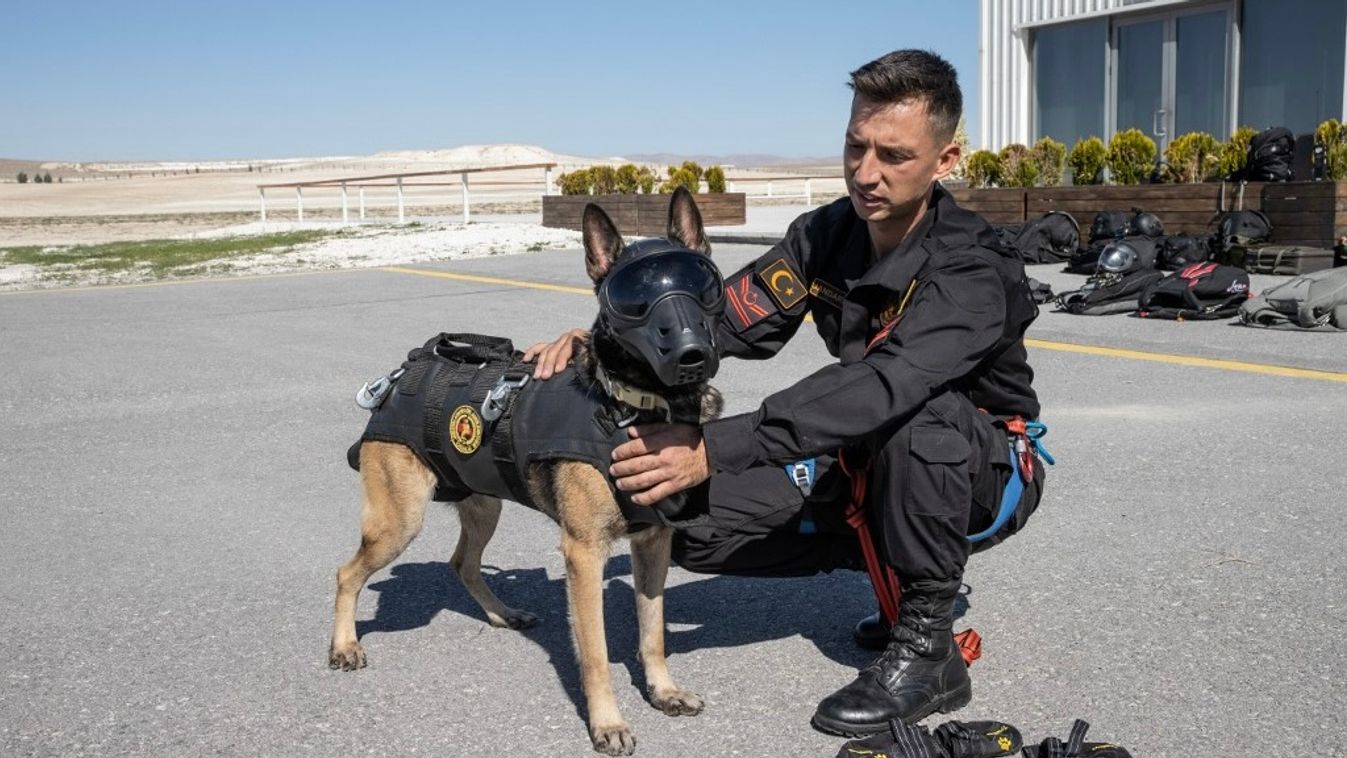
{"type": "Point", "coordinates": [925, 337]}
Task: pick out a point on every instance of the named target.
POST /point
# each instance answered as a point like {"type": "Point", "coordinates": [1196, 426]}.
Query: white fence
{"type": "Point", "coordinates": [400, 186]}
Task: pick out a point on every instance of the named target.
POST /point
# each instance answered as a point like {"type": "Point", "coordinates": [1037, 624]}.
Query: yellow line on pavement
{"type": "Point", "coordinates": [1189, 360]}
{"type": "Point", "coordinates": [1066, 347]}
{"type": "Point", "coordinates": [492, 280]}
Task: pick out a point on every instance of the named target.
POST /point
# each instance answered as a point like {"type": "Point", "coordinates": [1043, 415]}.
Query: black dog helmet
{"type": "Point", "coordinates": [661, 302]}
{"type": "Point", "coordinates": [1147, 225]}
{"type": "Point", "coordinates": [1119, 257]}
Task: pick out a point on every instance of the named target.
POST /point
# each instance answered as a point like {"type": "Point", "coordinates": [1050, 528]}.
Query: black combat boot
{"type": "Point", "coordinates": [871, 632]}
{"type": "Point", "coordinates": [920, 672]}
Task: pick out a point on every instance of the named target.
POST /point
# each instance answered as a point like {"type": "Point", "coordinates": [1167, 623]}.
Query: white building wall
{"type": "Point", "coordinates": [1005, 28]}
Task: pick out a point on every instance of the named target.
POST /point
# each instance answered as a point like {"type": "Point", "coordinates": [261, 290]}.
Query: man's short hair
{"type": "Point", "coordinates": [905, 75]}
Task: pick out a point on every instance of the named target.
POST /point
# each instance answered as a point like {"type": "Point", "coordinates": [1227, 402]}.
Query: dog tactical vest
{"type": "Point", "coordinates": [435, 409]}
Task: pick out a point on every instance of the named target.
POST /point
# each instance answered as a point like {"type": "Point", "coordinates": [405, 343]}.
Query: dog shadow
{"type": "Point", "coordinates": [708, 612]}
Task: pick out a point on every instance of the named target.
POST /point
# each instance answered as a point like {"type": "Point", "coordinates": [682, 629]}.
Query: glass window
{"type": "Point", "coordinates": [1291, 66]}
{"type": "Point", "coordinates": [1069, 88]}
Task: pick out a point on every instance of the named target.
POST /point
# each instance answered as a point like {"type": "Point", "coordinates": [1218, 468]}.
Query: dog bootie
{"type": "Point", "coordinates": [1076, 746]}
{"type": "Point", "coordinates": [954, 739]}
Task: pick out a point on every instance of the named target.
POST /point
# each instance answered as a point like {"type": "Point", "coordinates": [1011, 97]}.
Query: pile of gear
{"type": "Point", "coordinates": [1134, 267]}
{"type": "Point", "coordinates": [975, 739]}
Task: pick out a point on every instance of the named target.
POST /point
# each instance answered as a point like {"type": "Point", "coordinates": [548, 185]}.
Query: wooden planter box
{"type": "Point", "coordinates": [999, 205]}
{"type": "Point", "coordinates": [1306, 213]}
{"type": "Point", "coordinates": [641, 215]}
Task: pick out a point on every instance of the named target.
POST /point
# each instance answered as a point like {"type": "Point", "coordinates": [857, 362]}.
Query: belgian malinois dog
{"type": "Point", "coordinates": [398, 484]}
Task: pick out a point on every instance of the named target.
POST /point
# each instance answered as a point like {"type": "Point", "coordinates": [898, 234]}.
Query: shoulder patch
{"type": "Point", "coordinates": [828, 293]}
{"type": "Point", "coordinates": [783, 284]}
{"type": "Point", "coordinates": [465, 429]}
{"type": "Point", "coordinates": [747, 303]}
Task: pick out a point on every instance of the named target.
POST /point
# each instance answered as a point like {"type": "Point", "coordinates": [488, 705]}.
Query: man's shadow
{"type": "Point", "coordinates": [710, 612]}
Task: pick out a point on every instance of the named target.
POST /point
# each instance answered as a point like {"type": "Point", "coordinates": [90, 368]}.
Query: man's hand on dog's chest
{"type": "Point", "coordinates": [659, 461]}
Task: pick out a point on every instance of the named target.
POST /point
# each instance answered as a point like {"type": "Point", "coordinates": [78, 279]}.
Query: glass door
{"type": "Point", "coordinates": [1140, 79]}
{"type": "Point", "coordinates": [1200, 73]}
{"type": "Point", "coordinates": [1170, 75]}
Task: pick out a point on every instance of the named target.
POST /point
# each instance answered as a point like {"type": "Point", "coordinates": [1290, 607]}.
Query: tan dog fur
{"type": "Point", "coordinates": [397, 487]}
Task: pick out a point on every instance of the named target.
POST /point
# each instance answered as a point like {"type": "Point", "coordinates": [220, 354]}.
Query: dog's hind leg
{"type": "Point", "coordinates": [477, 518]}
{"type": "Point", "coordinates": [397, 487]}
{"type": "Point", "coordinates": [650, 551]}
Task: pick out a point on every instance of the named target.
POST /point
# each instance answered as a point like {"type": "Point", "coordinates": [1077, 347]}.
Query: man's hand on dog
{"type": "Point", "coordinates": [660, 460]}
{"type": "Point", "coordinates": [553, 356]}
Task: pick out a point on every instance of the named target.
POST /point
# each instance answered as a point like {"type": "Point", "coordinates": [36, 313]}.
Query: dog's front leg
{"type": "Point", "coordinates": [649, 568]}
{"type": "Point", "coordinates": [584, 593]}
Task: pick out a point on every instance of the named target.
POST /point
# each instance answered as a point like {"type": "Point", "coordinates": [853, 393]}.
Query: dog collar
{"type": "Point", "coordinates": [637, 398]}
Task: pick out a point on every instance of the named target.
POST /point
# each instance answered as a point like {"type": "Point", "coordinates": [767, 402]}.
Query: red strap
{"type": "Point", "coordinates": [883, 579]}
{"type": "Point", "coordinates": [970, 645]}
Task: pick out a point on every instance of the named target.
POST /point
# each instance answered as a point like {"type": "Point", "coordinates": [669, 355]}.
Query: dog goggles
{"type": "Point", "coordinates": [630, 292]}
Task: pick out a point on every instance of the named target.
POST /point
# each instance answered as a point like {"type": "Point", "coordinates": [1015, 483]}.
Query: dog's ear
{"type": "Point", "coordinates": [685, 222]}
{"type": "Point", "coordinates": [603, 243]}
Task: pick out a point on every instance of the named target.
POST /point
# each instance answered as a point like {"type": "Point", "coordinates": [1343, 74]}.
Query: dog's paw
{"type": "Point", "coordinates": [512, 619]}
{"type": "Point", "coordinates": [676, 702]}
{"type": "Point", "coordinates": [346, 658]}
{"type": "Point", "coordinates": [613, 740]}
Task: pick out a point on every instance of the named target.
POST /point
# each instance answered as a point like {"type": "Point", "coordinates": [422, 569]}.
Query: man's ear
{"type": "Point", "coordinates": [948, 160]}
{"type": "Point", "coordinates": [603, 244]}
{"type": "Point", "coordinates": [685, 222]}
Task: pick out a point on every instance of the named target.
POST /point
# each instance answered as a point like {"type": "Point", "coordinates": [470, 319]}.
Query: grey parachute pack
{"type": "Point", "coordinates": [1315, 301]}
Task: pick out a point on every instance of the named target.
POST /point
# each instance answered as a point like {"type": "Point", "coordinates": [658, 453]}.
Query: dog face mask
{"type": "Point", "coordinates": [661, 303]}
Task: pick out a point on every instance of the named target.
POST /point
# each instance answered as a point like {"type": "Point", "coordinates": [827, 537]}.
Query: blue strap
{"type": "Point", "coordinates": [801, 475]}
{"type": "Point", "coordinates": [1010, 500]}
{"type": "Point", "coordinates": [1036, 431]}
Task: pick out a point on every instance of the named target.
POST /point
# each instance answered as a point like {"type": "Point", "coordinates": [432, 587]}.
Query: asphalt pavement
{"type": "Point", "coordinates": [176, 500]}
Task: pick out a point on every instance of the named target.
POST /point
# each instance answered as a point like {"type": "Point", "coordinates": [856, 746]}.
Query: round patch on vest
{"type": "Point", "coordinates": [465, 429]}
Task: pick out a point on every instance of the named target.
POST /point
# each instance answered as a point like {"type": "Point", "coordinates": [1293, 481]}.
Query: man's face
{"type": "Point", "coordinates": [891, 159]}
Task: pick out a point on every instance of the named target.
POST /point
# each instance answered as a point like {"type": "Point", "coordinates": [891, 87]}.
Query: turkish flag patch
{"type": "Point", "coordinates": [784, 286]}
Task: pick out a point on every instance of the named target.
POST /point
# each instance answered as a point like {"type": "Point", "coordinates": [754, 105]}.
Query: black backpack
{"type": "Point", "coordinates": [1108, 225]}
{"type": "Point", "coordinates": [1202, 291]}
{"type": "Point", "coordinates": [1234, 231]}
{"type": "Point", "coordinates": [1108, 293]}
{"type": "Point", "coordinates": [1086, 259]}
{"type": "Point", "coordinates": [1050, 239]}
{"type": "Point", "coordinates": [1270, 155]}
{"type": "Point", "coordinates": [1181, 250]}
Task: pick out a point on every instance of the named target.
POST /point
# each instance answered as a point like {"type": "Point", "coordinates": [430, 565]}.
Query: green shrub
{"type": "Point", "coordinates": [22, 177]}
{"type": "Point", "coordinates": [960, 171]}
{"type": "Point", "coordinates": [46, 178]}
{"type": "Point", "coordinates": [983, 169]}
{"type": "Point", "coordinates": [1087, 160]}
{"type": "Point", "coordinates": [1131, 156]}
{"type": "Point", "coordinates": [576, 182]}
{"type": "Point", "coordinates": [1193, 157]}
{"type": "Point", "coordinates": [1049, 156]}
{"type": "Point", "coordinates": [715, 179]}
{"type": "Point", "coordinates": [1332, 136]}
{"type": "Point", "coordinates": [687, 175]}
{"type": "Point", "coordinates": [603, 179]}
{"type": "Point", "coordinates": [1017, 166]}
{"type": "Point", "coordinates": [628, 179]}
{"type": "Point", "coordinates": [1234, 155]}
{"type": "Point", "coordinates": [646, 179]}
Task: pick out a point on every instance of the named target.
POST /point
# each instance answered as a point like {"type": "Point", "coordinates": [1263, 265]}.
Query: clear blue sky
{"type": "Point", "coordinates": [188, 79]}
